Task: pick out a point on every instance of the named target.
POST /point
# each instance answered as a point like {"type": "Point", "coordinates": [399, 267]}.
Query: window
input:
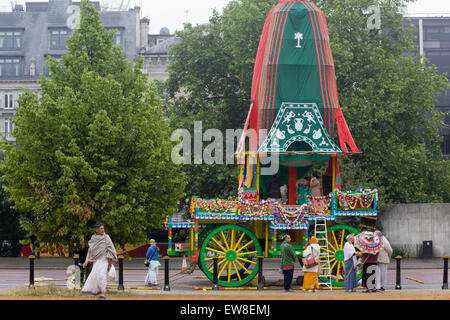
{"type": "Point", "coordinates": [46, 69]}
{"type": "Point", "coordinates": [10, 39]}
{"type": "Point", "coordinates": [10, 67]}
{"type": "Point", "coordinates": [160, 41]}
{"type": "Point", "coordinates": [9, 101]}
{"type": "Point", "coordinates": [118, 39]}
{"type": "Point", "coordinates": [8, 127]}
{"type": "Point", "coordinates": [118, 34]}
{"type": "Point", "coordinates": [58, 39]}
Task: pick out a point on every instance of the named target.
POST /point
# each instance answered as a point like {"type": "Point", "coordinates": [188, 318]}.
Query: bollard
{"type": "Point", "coordinates": [215, 274]}
{"type": "Point", "coordinates": [260, 273]}
{"type": "Point", "coordinates": [166, 273]}
{"type": "Point", "coordinates": [445, 282]}
{"type": "Point", "coordinates": [76, 259]}
{"type": "Point", "coordinates": [31, 258]}
{"type": "Point", "coordinates": [120, 286]}
{"type": "Point", "coordinates": [398, 281]}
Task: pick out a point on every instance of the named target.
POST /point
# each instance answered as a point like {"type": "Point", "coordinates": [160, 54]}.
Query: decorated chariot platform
{"type": "Point", "coordinates": [295, 120]}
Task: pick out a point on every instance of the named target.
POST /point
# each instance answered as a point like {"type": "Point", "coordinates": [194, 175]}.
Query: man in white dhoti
{"type": "Point", "coordinates": [103, 254]}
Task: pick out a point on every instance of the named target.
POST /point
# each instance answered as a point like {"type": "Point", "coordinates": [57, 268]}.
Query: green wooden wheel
{"type": "Point", "coordinates": [237, 250]}
{"type": "Point", "coordinates": [336, 240]}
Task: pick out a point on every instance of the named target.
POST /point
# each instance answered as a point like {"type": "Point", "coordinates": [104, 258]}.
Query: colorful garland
{"type": "Point", "coordinates": [292, 218]}
{"type": "Point", "coordinates": [255, 209]}
{"type": "Point", "coordinates": [349, 201]}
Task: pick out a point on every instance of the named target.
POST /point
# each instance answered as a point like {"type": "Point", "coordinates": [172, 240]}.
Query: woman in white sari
{"type": "Point", "coordinates": [103, 254]}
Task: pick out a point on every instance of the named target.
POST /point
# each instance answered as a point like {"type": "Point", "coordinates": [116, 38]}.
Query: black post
{"type": "Point", "coordinates": [76, 259]}
{"type": "Point", "coordinates": [31, 258]}
{"type": "Point", "coordinates": [260, 273]}
{"type": "Point", "coordinates": [120, 286]}
{"type": "Point", "coordinates": [445, 282]}
{"type": "Point", "coordinates": [166, 273]}
{"type": "Point", "coordinates": [398, 285]}
{"type": "Point", "coordinates": [215, 274]}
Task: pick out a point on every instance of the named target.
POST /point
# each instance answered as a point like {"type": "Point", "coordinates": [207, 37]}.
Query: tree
{"type": "Point", "coordinates": [10, 228]}
{"type": "Point", "coordinates": [212, 66]}
{"type": "Point", "coordinates": [386, 96]}
{"type": "Point", "coordinates": [388, 100]}
{"type": "Point", "coordinates": [93, 147]}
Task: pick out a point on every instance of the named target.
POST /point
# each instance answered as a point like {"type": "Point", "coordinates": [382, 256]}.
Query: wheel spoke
{"type": "Point", "coordinates": [332, 247]}
{"type": "Point", "coordinates": [239, 241]}
{"type": "Point", "coordinates": [246, 260]}
{"type": "Point", "coordinates": [211, 266]}
{"type": "Point", "coordinates": [240, 264]}
{"type": "Point", "coordinates": [342, 240]}
{"type": "Point", "coordinates": [223, 268]}
{"type": "Point", "coordinates": [214, 250]}
{"type": "Point", "coordinates": [246, 253]}
{"type": "Point", "coordinates": [218, 243]}
{"type": "Point", "coordinates": [225, 241]}
{"type": "Point", "coordinates": [233, 234]}
{"type": "Point", "coordinates": [338, 269]}
{"type": "Point", "coordinates": [335, 241]}
{"type": "Point", "coordinates": [332, 267]}
{"type": "Point", "coordinates": [220, 257]}
{"type": "Point", "coordinates": [229, 271]}
{"type": "Point", "coordinates": [237, 271]}
{"type": "Point", "coordinates": [246, 245]}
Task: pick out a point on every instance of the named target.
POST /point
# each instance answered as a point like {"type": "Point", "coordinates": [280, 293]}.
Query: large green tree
{"type": "Point", "coordinates": [387, 97]}
{"type": "Point", "coordinates": [388, 100]}
{"type": "Point", "coordinates": [94, 146]}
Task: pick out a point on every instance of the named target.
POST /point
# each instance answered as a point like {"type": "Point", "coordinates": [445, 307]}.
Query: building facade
{"type": "Point", "coordinates": [156, 54]}
{"type": "Point", "coordinates": [432, 38]}
{"type": "Point", "coordinates": [30, 35]}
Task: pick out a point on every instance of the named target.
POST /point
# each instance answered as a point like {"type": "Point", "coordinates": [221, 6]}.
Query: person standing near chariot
{"type": "Point", "coordinates": [288, 258]}
{"type": "Point", "coordinates": [350, 255]}
{"type": "Point", "coordinates": [311, 272]}
{"type": "Point", "coordinates": [153, 267]}
{"type": "Point", "coordinates": [103, 254]}
{"type": "Point", "coordinates": [383, 261]}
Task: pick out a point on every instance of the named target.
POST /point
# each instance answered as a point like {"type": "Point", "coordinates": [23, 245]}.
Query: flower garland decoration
{"type": "Point", "coordinates": [254, 209]}
{"type": "Point", "coordinates": [349, 201]}
{"type": "Point", "coordinates": [214, 206]}
{"type": "Point", "coordinates": [292, 217]}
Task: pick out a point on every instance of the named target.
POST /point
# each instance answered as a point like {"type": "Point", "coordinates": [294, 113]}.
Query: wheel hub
{"type": "Point", "coordinates": [231, 255]}
{"type": "Point", "coordinates": [339, 255]}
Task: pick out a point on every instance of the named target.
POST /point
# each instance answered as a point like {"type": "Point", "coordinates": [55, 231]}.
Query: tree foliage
{"type": "Point", "coordinates": [94, 146]}
{"type": "Point", "coordinates": [386, 95]}
{"type": "Point", "coordinates": [388, 100]}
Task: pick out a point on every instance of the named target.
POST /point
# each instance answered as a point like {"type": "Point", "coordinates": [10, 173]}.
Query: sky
{"type": "Point", "coordinates": [173, 13]}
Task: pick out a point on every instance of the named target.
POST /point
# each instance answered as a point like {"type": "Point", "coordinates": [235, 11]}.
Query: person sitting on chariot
{"type": "Point", "coordinates": [303, 191]}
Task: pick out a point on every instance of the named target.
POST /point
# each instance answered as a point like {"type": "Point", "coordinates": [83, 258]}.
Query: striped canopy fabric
{"type": "Point", "coordinates": [295, 105]}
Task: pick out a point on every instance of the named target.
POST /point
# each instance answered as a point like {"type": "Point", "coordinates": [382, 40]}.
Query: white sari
{"type": "Point", "coordinates": [101, 251]}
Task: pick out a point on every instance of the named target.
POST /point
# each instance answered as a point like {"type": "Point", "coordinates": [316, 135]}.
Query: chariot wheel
{"type": "Point", "coordinates": [237, 250]}
{"type": "Point", "coordinates": [336, 240]}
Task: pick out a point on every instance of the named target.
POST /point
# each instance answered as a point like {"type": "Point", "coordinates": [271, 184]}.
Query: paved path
{"type": "Point", "coordinates": [14, 272]}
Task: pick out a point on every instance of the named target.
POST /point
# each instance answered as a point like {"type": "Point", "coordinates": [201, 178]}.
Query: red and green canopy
{"type": "Point", "coordinates": [295, 105]}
